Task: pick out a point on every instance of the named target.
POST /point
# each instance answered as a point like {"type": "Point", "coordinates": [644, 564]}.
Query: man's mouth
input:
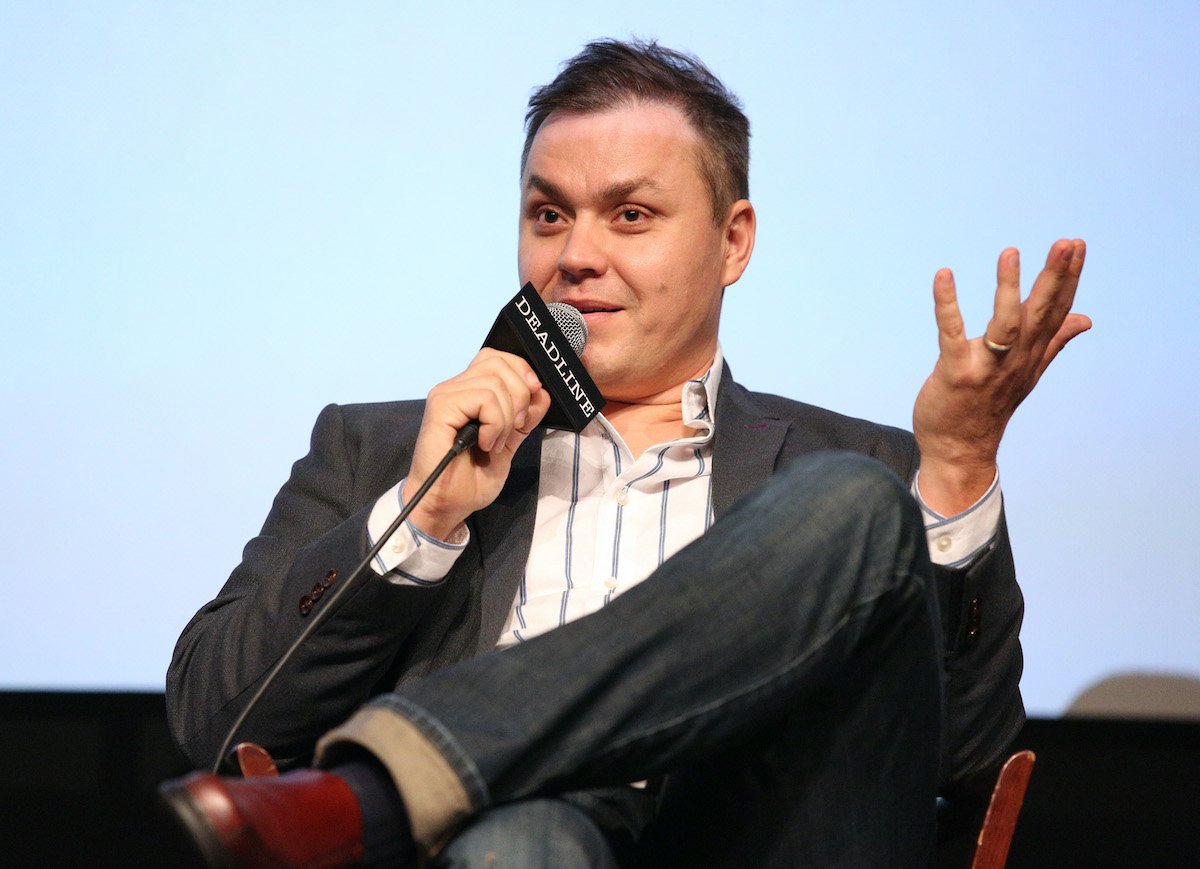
{"type": "Point", "coordinates": [586, 308]}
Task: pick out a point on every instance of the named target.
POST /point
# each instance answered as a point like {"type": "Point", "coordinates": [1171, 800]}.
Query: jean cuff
{"type": "Point", "coordinates": [439, 785]}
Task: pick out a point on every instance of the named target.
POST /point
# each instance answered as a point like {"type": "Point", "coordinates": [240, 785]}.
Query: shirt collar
{"type": "Point", "coordinates": [699, 398]}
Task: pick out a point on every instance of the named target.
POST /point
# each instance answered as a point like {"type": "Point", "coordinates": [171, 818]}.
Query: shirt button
{"type": "Point", "coordinates": [944, 542]}
{"type": "Point", "coordinates": [611, 582]}
{"type": "Point", "coordinates": [621, 496]}
{"type": "Point", "coordinates": [398, 548]}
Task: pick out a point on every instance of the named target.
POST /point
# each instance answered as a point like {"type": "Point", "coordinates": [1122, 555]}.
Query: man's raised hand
{"type": "Point", "coordinates": [962, 410]}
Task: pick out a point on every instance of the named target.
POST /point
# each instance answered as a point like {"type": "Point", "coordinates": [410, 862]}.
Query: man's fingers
{"type": "Point", "coordinates": [482, 399]}
{"type": "Point", "coordinates": [539, 405]}
{"type": "Point", "coordinates": [1073, 326]}
{"type": "Point", "coordinates": [1005, 324]}
{"type": "Point", "coordinates": [514, 384]}
{"type": "Point", "coordinates": [517, 374]}
{"type": "Point", "coordinates": [1053, 292]}
{"type": "Point", "coordinates": [489, 359]}
{"type": "Point", "coordinates": [951, 334]}
{"type": "Point", "coordinates": [497, 414]}
{"type": "Point", "coordinates": [524, 422]}
{"type": "Point", "coordinates": [496, 389]}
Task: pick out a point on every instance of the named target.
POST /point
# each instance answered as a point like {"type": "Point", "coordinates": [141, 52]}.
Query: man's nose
{"type": "Point", "coordinates": [583, 254]}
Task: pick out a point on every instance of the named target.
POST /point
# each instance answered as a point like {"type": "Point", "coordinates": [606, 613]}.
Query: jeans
{"type": "Point", "coordinates": [547, 833]}
{"type": "Point", "coordinates": [783, 673]}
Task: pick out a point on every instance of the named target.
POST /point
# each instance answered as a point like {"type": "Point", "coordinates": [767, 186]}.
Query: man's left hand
{"type": "Point", "coordinates": [962, 410]}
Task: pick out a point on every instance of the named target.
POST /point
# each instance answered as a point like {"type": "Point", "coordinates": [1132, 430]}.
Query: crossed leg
{"type": "Point", "coordinates": [783, 672]}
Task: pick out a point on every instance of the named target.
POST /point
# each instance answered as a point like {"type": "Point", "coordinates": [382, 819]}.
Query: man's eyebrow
{"type": "Point", "coordinates": [624, 189]}
{"type": "Point", "coordinates": [615, 191]}
{"type": "Point", "coordinates": [547, 188]}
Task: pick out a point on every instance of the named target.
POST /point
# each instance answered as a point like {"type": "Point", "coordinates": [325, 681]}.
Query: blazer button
{"type": "Point", "coordinates": [972, 622]}
{"type": "Point", "coordinates": [317, 591]}
{"type": "Point", "coordinates": [330, 578]}
{"type": "Point", "coordinates": [306, 605]}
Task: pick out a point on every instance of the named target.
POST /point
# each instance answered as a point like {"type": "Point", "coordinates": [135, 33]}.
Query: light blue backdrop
{"type": "Point", "coordinates": [215, 216]}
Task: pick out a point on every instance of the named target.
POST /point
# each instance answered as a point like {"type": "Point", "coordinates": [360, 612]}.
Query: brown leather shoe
{"type": "Point", "coordinates": [306, 818]}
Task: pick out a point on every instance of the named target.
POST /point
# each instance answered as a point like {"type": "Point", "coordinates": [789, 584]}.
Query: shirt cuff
{"type": "Point", "coordinates": [956, 541]}
{"type": "Point", "coordinates": [411, 557]}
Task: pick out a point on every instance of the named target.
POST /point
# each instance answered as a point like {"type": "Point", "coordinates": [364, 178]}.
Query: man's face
{"type": "Point", "coordinates": [616, 220]}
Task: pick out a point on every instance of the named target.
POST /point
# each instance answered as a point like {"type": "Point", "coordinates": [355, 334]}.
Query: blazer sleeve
{"type": "Point", "coordinates": [981, 609]}
{"type": "Point", "coordinates": [314, 534]}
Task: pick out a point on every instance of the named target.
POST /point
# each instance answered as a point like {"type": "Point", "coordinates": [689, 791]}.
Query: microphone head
{"type": "Point", "coordinates": [573, 326]}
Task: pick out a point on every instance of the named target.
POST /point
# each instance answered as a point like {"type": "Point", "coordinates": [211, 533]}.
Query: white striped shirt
{"type": "Point", "coordinates": [606, 520]}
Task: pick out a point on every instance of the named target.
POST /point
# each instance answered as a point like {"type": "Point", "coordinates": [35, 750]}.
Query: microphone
{"type": "Point", "coordinates": [574, 327]}
{"type": "Point", "coordinates": [550, 338]}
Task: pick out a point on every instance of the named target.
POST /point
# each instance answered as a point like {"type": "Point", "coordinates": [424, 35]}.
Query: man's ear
{"type": "Point", "coordinates": [738, 228]}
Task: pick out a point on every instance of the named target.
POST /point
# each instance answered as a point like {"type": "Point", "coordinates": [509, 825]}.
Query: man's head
{"type": "Point", "coordinates": [609, 73]}
{"type": "Point", "coordinates": [619, 215]}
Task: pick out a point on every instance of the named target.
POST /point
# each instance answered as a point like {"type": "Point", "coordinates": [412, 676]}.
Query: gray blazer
{"type": "Point", "coordinates": [384, 634]}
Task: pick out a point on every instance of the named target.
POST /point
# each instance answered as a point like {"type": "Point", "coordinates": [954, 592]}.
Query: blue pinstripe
{"type": "Point", "coordinates": [662, 522]}
{"type": "Point", "coordinates": [570, 536]}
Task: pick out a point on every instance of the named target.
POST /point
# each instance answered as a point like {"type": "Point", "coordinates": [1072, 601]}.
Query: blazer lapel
{"type": "Point", "coordinates": [746, 447]}
{"type": "Point", "coordinates": [505, 534]}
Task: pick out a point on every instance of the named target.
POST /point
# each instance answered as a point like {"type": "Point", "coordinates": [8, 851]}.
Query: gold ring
{"type": "Point", "coordinates": [999, 349]}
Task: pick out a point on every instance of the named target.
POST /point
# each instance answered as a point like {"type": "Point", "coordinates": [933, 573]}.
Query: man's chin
{"type": "Point", "coordinates": [607, 366]}
{"type": "Point", "coordinates": [628, 387]}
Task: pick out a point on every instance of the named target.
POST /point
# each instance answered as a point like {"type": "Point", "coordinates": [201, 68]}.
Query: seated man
{"type": "Point", "coordinates": [725, 593]}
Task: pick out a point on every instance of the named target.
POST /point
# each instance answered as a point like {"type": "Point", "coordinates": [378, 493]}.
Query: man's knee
{"type": "Point", "coordinates": [531, 834]}
{"type": "Point", "coordinates": [829, 530]}
{"type": "Point", "coordinates": [842, 484]}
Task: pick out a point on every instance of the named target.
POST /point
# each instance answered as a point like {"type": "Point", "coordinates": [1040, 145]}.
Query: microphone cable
{"type": "Point", "coordinates": [466, 438]}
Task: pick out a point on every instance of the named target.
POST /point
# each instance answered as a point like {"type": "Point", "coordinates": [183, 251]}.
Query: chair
{"type": "Point", "coordinates": [995, 836]}
{"type": "Point", "coordinates": [991, 846]}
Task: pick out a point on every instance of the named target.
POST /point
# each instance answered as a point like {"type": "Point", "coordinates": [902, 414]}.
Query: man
{"type": "Point", "coordinates": [779, 678]}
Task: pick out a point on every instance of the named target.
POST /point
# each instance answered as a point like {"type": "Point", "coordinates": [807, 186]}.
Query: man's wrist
{"type": "Point", "coordinates": [949, 488]}
{"type": "Point", "coordinates": [431, 521]}
{"type": "Point", "coordinates": [411, 555]}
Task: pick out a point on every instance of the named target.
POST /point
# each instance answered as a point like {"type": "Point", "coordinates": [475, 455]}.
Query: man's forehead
{"type": "Point", "coordinates": [648, 117]}
{"type": "Point", "coordinates": [635, 133]}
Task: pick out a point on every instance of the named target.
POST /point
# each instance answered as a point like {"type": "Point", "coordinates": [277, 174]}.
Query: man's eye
{"type": "Point", "coordinates": [631, 215]}
{"type": "Point", "coordinates": [549, 216]}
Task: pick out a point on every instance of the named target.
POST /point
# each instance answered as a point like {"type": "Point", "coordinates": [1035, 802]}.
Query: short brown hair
{"type": "Point", "coordinates": [609, 72]}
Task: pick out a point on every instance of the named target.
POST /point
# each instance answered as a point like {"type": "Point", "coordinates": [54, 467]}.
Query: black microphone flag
{"type": "Point", "coordinates": [526, 328]}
